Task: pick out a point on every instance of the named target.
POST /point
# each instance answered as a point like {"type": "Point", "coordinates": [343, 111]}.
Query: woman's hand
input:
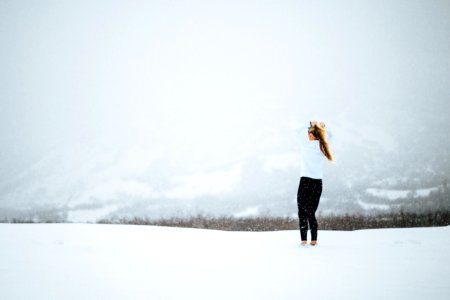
{"type": "Point", "coordinates": [315, 123]}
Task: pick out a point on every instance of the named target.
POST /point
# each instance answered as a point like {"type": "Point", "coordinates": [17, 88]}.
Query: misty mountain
{"type": "Point", "coordinates": [100, 178]}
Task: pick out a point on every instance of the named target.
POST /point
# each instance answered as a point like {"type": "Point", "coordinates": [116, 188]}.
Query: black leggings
{"type": "Point", "coordinates": [308, 196]}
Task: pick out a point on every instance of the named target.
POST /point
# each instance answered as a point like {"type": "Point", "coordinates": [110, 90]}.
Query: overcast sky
{"type": "Point", "coordinates": [202, 78]}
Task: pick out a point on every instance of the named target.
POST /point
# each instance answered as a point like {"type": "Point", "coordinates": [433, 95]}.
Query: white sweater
{"type": "Point", "coordinates": [311, 158]}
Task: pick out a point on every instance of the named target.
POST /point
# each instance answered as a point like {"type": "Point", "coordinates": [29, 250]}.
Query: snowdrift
{"type": "Point", "coordinates": [99, 261]}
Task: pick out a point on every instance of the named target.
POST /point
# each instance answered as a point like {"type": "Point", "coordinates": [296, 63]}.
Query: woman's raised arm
{"type": "Point", "coordinates": [302, 132]}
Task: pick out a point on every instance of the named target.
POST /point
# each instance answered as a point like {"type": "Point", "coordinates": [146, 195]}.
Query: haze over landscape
{"type": "Point", "coordinates": [172, 108]}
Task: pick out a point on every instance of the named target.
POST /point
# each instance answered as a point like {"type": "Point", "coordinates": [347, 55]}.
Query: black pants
{"type": "Point", "coordinates": [308, 196]}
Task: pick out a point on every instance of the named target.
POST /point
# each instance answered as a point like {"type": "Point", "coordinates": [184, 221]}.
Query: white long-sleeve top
{"type": "Point", "coordinates": [311, 158]}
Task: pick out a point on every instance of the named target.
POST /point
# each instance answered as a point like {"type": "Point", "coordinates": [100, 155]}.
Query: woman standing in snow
{"type": "Point", "coordinates": [314, 151]}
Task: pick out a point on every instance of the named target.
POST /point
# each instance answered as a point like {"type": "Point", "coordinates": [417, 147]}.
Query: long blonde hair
{"type": "Point", "coordinates": [320, 134]}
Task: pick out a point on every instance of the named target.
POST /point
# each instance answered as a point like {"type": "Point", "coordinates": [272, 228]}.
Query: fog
{"type": "Point", "coordinates": [161, 108]}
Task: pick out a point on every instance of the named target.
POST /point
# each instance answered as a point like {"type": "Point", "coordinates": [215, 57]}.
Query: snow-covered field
{"type": "Point", "coordinates": [96, 261]}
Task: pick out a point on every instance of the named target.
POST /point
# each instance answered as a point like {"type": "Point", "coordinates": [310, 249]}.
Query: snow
{"type": "Point", "coordinates": [370, 206]}
{"type": "Point", "coordinates": [89, 214]}
{"type": "Point", "coordinates": [248, 212]}
{"type": "Point", "coordinates": [201, 184]}
{"type": "Point", "coordinates": [100, 261]}
{"type": "Point", "coordinates": [400, 194]}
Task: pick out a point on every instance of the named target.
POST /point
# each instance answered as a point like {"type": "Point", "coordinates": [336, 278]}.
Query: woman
{"type": "Point", "coordinates": [314, 151]}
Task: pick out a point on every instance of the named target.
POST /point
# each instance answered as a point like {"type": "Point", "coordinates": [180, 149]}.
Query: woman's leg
{"type": "Point", "coordinates": [302, 207]}
{"type": "Point", "coordinates": [316, 192]}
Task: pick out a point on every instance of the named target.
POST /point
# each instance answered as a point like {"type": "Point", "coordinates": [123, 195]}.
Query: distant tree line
{"type": "Point", "coordinates": [268, 223]}
{"type": "Point", "coordinates": [400, 219]}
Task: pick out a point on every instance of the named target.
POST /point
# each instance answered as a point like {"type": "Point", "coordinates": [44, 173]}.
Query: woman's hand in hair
{"type": "Point", "coordinates": [316, 123]}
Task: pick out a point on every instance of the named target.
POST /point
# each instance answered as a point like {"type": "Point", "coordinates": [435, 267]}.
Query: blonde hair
{"type": "Point", "coordinates": [320, 134]}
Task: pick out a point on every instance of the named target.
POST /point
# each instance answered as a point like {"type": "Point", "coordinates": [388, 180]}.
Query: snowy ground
{"type": "Point", "coordinates": [94, 261]}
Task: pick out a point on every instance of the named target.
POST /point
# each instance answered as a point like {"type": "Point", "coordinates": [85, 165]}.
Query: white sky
{"type": "Point", "coordinates": [204, 79]}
